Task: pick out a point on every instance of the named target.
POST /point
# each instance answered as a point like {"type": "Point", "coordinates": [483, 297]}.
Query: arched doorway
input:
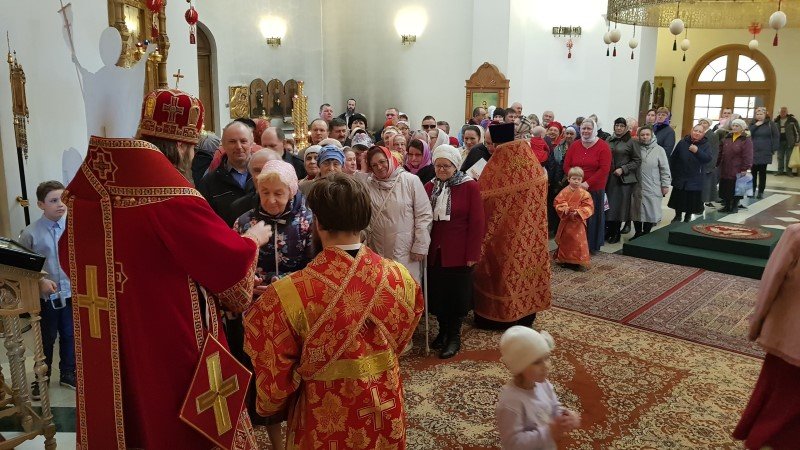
{"type": "Point", "coordinates": [205, 77]}
{"type": "Point", "coordinates": [731, 76]}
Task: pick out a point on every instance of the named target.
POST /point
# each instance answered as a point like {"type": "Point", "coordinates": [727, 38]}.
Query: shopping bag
{"type": "Point", "coordinates": [744, 185]}
{"type": "Point", "coordinates": [794, 160]}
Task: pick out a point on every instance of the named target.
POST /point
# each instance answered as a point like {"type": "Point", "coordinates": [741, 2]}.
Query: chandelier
{"type": "Point", "coordinates": [721, 14]}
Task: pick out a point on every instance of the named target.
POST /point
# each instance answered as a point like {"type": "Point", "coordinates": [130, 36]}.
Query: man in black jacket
{"type": "Point", "coordinates": [790, 136]}
{"type": "Point", "coordinates": [272, 138]}
{"type": "Point", "coordinates": [231, 180]}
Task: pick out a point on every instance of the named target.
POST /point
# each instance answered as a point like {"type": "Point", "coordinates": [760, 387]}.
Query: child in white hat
{"type": "Point", "coordinates": [529, 414]}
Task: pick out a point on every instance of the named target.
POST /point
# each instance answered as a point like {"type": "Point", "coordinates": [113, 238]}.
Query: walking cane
{"type": "Point", "coordinates": [425, 296]}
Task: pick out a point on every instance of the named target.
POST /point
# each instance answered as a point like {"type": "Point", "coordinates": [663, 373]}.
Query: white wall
{"type": "Point", "coordinates": [242, 54]}
{"type": "Point", "coordinates": [542, 77]}
{"type": "Point", "coordinates": [784, 59]}
{"type": "Point", "coordinates": [364, 59]}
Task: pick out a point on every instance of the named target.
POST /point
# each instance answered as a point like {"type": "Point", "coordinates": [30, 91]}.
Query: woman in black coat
{"type": "Point", "coordinates": [687, 164]}
{"type": "Point", "coordinates": [766, 140]}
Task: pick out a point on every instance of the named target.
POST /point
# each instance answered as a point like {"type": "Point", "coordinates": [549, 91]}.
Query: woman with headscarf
{"type": "Point", "coordinates": [312, 168]}
{"type": "Point", "coordinates": [593, 155]}
{"type": "Point", "coordinates": [438, 137]}
{"type": "Point", "coordinates": [282, 206]}
{"type": "Point", "coordinates": [625, 162]}
{"type": "Point", "coordinates": [554, 134]}
{"type": "Point", "coordinates": [710, 171]}
{"type": "Point", "coordinates": [456, 236]}
{"type": "Point", "coordinates": [401, 212]}
{"type": "Point", "coordinates": [405, 129]}
{"type": "Point", "coordinates": [398, 144]}
{"type": "Point", "coordinates": [735, 159]}
{"type": "Point", "coordinates": [687, 165]}
{"type": "Point", "coordinates": [772, 416]}
{"type": "Point", "coordinates": [766, 140]}
{"type": "Point", "coordinates": [418, 161]}
{"type": "Point", "coordinates": [665, 135]}
{"type": "Point", "coordinates": [654, 182]}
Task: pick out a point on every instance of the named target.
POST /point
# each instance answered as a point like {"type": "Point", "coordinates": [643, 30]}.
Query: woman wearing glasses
{"type": "Point", "coordinates": [456, 237]}
{"type": "Point", "coordinates": [401, 212]}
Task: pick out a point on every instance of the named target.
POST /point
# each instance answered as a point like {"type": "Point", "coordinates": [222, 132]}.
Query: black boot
{"type": "Point", "coordinates": [453, 339]}
{"type": "Point", "coordinates": [441, 338]}
{"type": "Point", "coordinates": [627, 228]}
{"type": "Point", "coordinates": [735, 205]}
{"type": "Point", "coordinates": [727, 207]}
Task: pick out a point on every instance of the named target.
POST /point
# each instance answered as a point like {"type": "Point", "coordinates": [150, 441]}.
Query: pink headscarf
{"type": "Point", "coordinates": [426, 158]}
{"type": "Point", "coordinates": [285, 172]}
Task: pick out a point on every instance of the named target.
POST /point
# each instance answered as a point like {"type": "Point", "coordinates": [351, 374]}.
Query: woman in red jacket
{"type": "Point", "coordinates": [456, 237]}
{"type": "Point", "coordinates": [593, 155]}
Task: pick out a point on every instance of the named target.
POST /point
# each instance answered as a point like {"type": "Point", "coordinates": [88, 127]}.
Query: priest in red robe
{"type": "Point", "coordinates": [324, 340]}
{"type": "Point", "coordinates": [142, 247]}
{"type": "Point", "coordinates": [512, 278]}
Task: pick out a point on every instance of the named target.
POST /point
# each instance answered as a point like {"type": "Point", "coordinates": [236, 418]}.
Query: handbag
{"type": "Point", "coordinates": [794, 160]}
{"type": "Point", "coordinates": [629, 178]}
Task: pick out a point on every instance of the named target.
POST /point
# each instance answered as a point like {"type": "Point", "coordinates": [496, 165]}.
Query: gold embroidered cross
{"type": "Point", "coordinates": [173, 109]}
{"type": "Point", "coordinates": [102, 166]}
{"type": "Point", "coordinates": [92, 301]}
{"type": "Point", "coordinates": [217, 395]}
{"type": "Point", "coordinates": [377, 408]}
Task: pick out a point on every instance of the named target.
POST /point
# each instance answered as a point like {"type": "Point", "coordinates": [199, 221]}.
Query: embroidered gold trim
{"type": "Point", "coordinates": [77, 335]}
{"type": "Point", "coordinates": [174, 191]}
{"type": "Point", "coordinates": [292, 305]}
{"type": "Point", "coordinates": [358, 369]}
{"type": "Point", "coordinates": [101, 142]}
{"type": "Point", "coordinates": [197, 315]}
{"type": "Point", "coordinates": [239, 297]}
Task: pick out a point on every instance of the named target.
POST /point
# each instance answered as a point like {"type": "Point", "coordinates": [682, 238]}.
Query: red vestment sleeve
{"type": "Point", "coordinates": [273, 346]}
{"type": "Point", "coordinates": [477, 222]}
{"type": "Point", "coordinates": [207, 249]}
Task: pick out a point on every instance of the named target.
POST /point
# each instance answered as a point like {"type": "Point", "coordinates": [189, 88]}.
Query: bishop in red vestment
{"type": "Point", "coordinates": [140, 242]}
{"type": "Point", "coordinates": [324, 341]}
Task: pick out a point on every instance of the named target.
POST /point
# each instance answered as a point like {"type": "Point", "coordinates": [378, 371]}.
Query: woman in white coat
{"type": "Point", "coordinates": [654, 182]}
{"type": "Point", "coordinates": [401, 212]}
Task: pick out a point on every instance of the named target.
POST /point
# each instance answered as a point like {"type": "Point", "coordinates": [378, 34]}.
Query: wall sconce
{"type": "Point", "coordinates": [408, 39]}
{"type": "Point", "coordinates": [409, 23]}
{"type": "Point", "coordinates": [273, 29]}
{"type": "Point", "coordinates": [566, 31]}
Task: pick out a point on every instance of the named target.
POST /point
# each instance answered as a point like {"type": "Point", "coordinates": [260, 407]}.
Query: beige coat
{"type": "Point", "coordinates": [401, 219]}
{"type": "Point", "coordinates": [776, 322]}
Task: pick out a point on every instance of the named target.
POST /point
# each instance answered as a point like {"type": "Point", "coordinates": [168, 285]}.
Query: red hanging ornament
{"type": "Point", "coordinates": [191, 17]}
{"type": "Point", "coordinates": [570, 44]}
{"type": "Point", "coordinates": [155, 8]}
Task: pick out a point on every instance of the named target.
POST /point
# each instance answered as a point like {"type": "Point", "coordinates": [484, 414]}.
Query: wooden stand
{"type": "Point", "coordinates": [19, 293]}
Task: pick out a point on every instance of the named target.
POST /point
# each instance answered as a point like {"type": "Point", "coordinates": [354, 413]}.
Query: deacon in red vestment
{"type": "Point", "coordinates": [324, 340]}
{"type": "Point", "coordinates": [573, 205]}
{"type": "Point", "coordinates": [140, 242]}
{"type": "Point", "coordinates": [512, 278]}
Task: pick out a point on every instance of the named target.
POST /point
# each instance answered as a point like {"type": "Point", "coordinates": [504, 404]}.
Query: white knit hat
{"type": "Point", "coordinates": [448, 152]}
{"type": "Point", "coordinates": [521, 346]}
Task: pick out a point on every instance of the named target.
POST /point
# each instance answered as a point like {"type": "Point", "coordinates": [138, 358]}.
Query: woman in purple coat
{"type": "Point", "coordinates": [734, 161]}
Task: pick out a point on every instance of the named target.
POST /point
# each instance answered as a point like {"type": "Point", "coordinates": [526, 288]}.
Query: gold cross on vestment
{"type": "Point", "coordinates": [377, 408]}
{"type": "Point", "coordinates": [178, 77]}
{"type": "Point", "coordinates": [217, 395]}
{"type": "Point", "coordinates": [102, 166]}
{"type": "Point", "coordinates": [93, 302]}
{"type": "Point", "coordinates": [173, 109]}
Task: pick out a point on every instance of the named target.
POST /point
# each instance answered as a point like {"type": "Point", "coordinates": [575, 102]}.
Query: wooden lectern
{"type": "Point", "coordinates": [20, 271]}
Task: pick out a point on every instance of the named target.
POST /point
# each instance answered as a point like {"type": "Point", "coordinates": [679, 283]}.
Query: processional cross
{"type": "Point", "coordinates": [178, 77]}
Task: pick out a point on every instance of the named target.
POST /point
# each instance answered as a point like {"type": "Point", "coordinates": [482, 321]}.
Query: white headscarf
{"type": "Point", "coordinates": [441, 138]}
{"type": "Point", "coordinates": [594, 137]}
{"type": "Point", "coordinates": [441, 201]}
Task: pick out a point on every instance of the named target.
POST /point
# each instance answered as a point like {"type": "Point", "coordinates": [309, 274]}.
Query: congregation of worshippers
{"type": "Point", "coordinates": [465, 211]}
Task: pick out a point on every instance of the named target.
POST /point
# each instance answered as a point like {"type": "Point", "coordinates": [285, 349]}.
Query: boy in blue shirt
{"type": "Point", "coordinates": [54, 289]}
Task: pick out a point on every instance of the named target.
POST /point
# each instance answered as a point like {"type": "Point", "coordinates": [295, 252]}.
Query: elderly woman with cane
{"type": "Point", "coordinates": [456, 236]}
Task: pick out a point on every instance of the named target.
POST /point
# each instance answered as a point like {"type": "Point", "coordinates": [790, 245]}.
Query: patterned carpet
{"type": "Point", "coordinates": [634, 389]}
{"type": "Point", "coordinates": [706, 307]}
